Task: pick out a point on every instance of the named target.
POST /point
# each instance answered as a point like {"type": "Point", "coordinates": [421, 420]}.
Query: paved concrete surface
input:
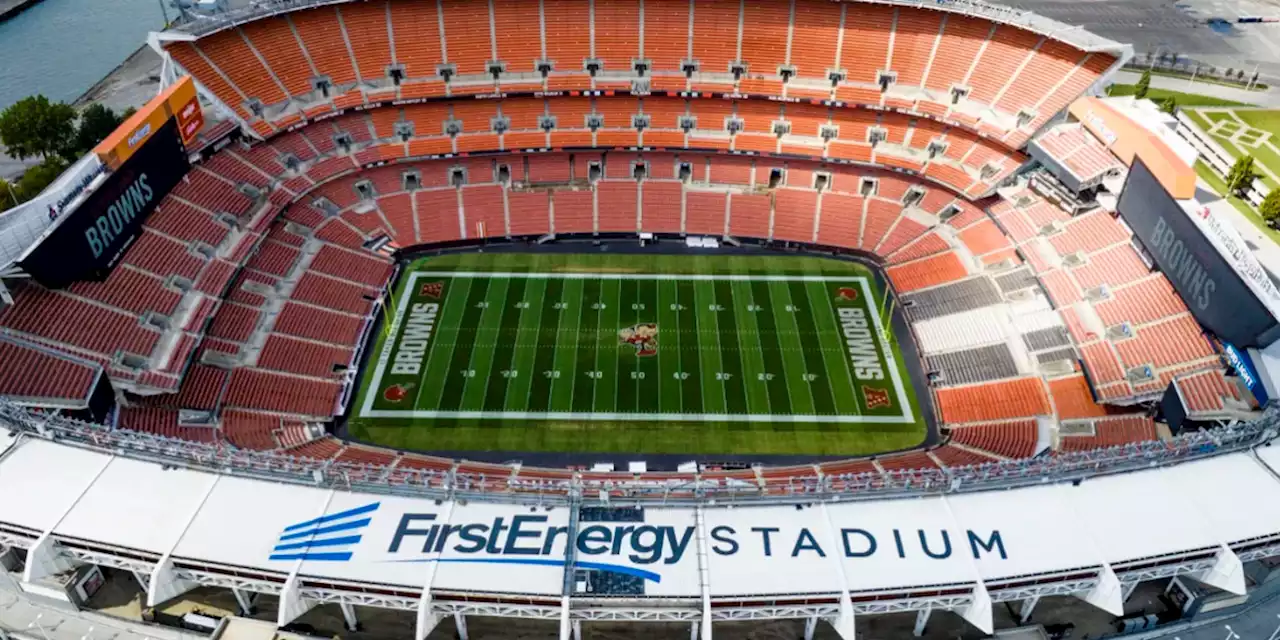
{"type": "Point", "coordinates": [1268, 98]}
{"type": "Point", "coordinates": [131, 84]}
{"type": "Point", "coordinates": [1181, 27]}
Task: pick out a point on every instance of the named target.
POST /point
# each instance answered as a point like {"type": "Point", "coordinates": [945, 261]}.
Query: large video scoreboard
{"type": "Point", "coordinates": [147, 156]}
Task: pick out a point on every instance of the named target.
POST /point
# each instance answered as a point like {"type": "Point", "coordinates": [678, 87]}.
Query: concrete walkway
{"type": "Point", "coordinates": [1268, 98]}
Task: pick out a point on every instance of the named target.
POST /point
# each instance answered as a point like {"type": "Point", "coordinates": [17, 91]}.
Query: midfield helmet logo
{"type": "Point", "coordinates": [643, 336]}
{"type": "Point", "coordinates": [846, 294]}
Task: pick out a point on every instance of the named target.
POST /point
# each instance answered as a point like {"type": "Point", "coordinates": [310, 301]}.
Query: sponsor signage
{"type": "Point", "coordinates": [178, 102]}
{"type": "Point", "coordinates": [1243, 365]}
{"type": "Point", "coordinates": [89, 241]}
{"type": "Point", "coordinates": [638, 549]}
{"type": "Point", "coordinates": [1213, 290]}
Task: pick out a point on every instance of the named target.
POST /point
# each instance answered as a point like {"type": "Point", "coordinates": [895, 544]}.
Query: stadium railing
{"type": "Point", "coordinates": [200, 24]}
{"type": "Point", "coordinates": [450, 485]}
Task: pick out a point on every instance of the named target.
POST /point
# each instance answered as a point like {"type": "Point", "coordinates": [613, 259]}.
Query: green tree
{"type": "Point", "coordinates": [96, 122]}
{"type": "Point", "coordinates": [1169, 105]}
{"type": "Point", "coordinates": [8, 195]}
{"type": "Point", "coordinates": [38, 177]}
{"type": "Point", "coordinates": [1144, 84]}
{"type": "Point", "coordinates": [33, 126]}
{"type": "Point", "coordinates": [1241, 175]}
{"type": "Point", "coordinates": [1270, 208]}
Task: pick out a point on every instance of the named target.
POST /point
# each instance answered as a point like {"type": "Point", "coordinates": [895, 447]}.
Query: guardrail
{"type": "Point", "coordinates": [629, 489]}
{"type": "Point", "coordinates": [201, 24]}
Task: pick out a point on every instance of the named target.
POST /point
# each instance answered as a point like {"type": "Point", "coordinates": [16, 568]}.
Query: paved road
{"type": "Point", "coordinates": [1268, 98]}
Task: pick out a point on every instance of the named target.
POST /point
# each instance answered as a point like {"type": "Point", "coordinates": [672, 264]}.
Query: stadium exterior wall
{"type": "Point", "coordinates": [181, 533]}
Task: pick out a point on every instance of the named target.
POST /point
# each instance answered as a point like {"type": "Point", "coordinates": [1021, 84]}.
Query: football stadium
{"type": "Point", "coordinates": [637, 318]}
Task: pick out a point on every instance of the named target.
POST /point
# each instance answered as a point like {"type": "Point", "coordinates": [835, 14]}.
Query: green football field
{"type": "Point", "coordinates": [639, 354]}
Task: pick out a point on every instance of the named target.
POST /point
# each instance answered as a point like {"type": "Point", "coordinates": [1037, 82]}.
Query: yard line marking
{"type": "Point", "coordinates": [638, 417]}
{"type": "Point", "coordinates": [639, 276]}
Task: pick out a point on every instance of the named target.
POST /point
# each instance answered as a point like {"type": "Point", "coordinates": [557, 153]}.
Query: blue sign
{"type": "Point", "coordinates": [1243, 365]}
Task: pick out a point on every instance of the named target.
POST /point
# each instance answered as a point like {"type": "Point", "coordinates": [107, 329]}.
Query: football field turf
{"type": "Point", "coordinates": [639, 354]}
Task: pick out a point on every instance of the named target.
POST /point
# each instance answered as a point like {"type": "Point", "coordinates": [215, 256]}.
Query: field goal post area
{"type": "Point", "coordinates": [401, 297]}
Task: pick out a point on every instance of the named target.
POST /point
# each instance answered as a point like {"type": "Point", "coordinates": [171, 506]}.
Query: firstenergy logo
{"type": "Point", "coordinates": [328, 537]}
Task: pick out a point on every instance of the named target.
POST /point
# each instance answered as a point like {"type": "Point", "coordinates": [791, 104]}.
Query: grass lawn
{"type": "Point", "coordinates": [1262, 154]}
{"type": "Point", "coordinates": [1268, 120]}
{"type": "Point", "coordinates": [1183, 99]}
{"type": "Point", "coordinates": [638, 354]}
{"type": "Point", "coordinates": [1216, 183]}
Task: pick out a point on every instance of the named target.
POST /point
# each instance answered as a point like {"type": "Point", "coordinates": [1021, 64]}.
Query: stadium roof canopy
{"type": "Point", "coordinates": [969, 545]}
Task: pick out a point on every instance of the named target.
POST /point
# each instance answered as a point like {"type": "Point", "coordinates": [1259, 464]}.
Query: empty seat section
{"type": "Point", "coordinates": [273, 39]}
{"type": "Point", "coordinates": [1095, 64]}
{"type": "Point", "coordinates": [484, 211]}
{"type": "Point", "coordinates": [524, 114]}
{"type": "Point", "coordinates": [666, 34]}
{"type": "Point", "coordinates": [813, 41]}
{"type": "Point", "coordinates": [903, 232]}
{"type": "Point", "coordinates": [180, 220]}
{"type": "Point", "coordinates": [186, 54]}
{"type": "Point", "coordinates": [730, 170]}
{"type": "Point", "coordinates": [715, 35]}
{"type": "Point", "coordinates": [1140, 303]}
{"type": "Point", "coordinates": [229, 51]}
{"type": "Point", "coordinates": [1006, 50]}
{"type": "Point", "coordinates": [983, 238]}
{"type": "Point", "coordinates": [568, 34]}
{"type": "Point", "coordinates": [617, 206]}
{"type": "Point", "coordinates": [1115, 266]}
{"type": "Point", "coordinates": [41, 314]}
{"type": "Point", "coordinates": [664, 113]}
{"type": "Point", "coordinates": [962, 38]}
{"type": "Point", "coordinates": [548, 168]}
{"type": "Point", "coordinates": [314, 323]}
{"type": "Point", "coordinates": [398, 210]}
{"type": "Point", "coordinates": [355, 125]}
{"type": "Point", "coordinates": [476, 115]}
{"type": "Point", "coordinates": [519, 35]}
{"type": "Point", "coordinates": [467, 35]}
{"type": "Point", "coordinates": [927, 272]}
{"type": "Point", "coordinates": [1165, 344]}
{"type": "Point", "coordinates": [438, 215]}
{"type": "Point", "coordinates": [130, 289]}
{"type": "Point", "coordinates": [1110, 432]}
{"type": "Point", "coordinates": [341, 295]}
{"type": "Point", "coordinates": [1020, 398]}
{"type": "Point", "coordinates": [283, 353]}
{"type": "Point", "coordinates": [866, 42]}
{"type": "Point", "coordinates": [1014, 439]}
{"type": "Point", "coordinates": [793, 214]}
{"type": "Point", "coordinates": [705, 212]}
{"type": "Point", "coordinates": [269, 391]}
{"type": "Point", "coordinates": [158, 254]}
{"type": "Point", "coordinates": [749, 215]}
{"type": "Point", "coordinates": [1072, 399]}
{"type": "Point", "coordinates": [574, 212]}
{"type": "Point", "coordinates": [840, 222]}
{"type": "Point", "coordinates": [417, 32]}
{"type": "Point", "coordinates": [236, 171]}
{"type": "Point", "coordinates": [662, 200]}
{"type": "Point", "coordinates": [914, 37]}
{"type": "Point", "coordinates": [764, 35]}
{"type": "Point", "coordinates": [617, 33]}
{"type": "Point", "coordinates": [806, 119]}
{"type": "Point", "coordinates": [1052, 62]}
{"type": "Point", "coordinates": [530, 212]}
{"type": "Point", "coordinates": [881, 216]}
{"type": "Point", "coordinates": [321, 34]}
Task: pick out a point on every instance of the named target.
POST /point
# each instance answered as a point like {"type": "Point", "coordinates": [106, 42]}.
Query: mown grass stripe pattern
{"type": "Point", "coordinates": [514, 338]}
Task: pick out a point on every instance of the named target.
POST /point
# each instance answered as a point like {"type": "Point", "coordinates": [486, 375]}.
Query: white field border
{"type": "Point", "coordinates": [384, 358]}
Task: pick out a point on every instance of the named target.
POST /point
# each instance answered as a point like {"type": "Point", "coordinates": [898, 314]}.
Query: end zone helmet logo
{"type": "Point", "coordinates": [396, 392]}
{"type": "Point", "coordinates": [644, 337]}
{"type": "Point", "coordinates": [432, 289]}
{"type": "Point", "coordinates": [846, 294]}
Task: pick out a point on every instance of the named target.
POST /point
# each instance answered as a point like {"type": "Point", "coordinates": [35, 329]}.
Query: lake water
{"type": "Point", "coordinates": [62, 47]}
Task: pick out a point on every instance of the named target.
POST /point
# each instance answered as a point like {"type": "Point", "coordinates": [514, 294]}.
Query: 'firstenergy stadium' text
{"type": "Point", "coordinates": [411, 345]}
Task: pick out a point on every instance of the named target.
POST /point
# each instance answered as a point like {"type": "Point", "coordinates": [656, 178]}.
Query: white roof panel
{"type": "Point", "coordinates": [904, 543]}
{"type": "Point", "coordinates": [503, 547]}
{"type": "Point", "coordinates": [759, 550]}
{"type": "Point", "coordinates": [241, 520]}
{"type": "Point", "coordinates": [1137, 515]}
{"type": "Point", "coordinates": [1226, 506]}
{"type": "Point", "coordinates": [146, 492]}
{"type": "Point", "coordinates": [41, 480]}
{"type": "Point", "coordinates": [1039, 539]}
